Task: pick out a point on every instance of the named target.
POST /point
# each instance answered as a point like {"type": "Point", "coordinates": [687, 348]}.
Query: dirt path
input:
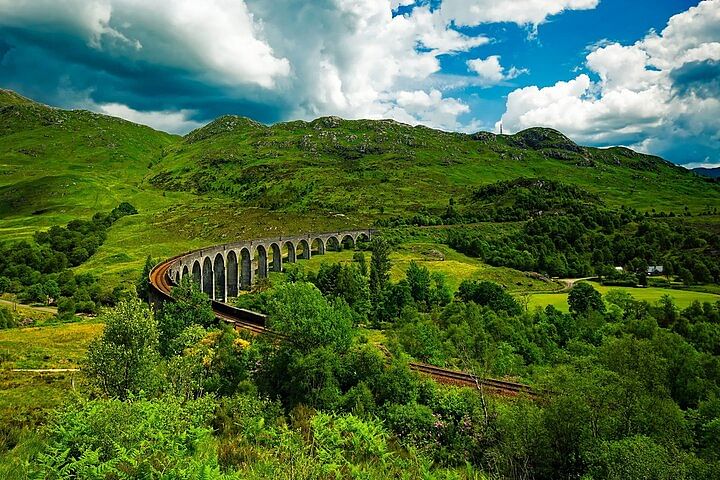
{"type": "Point", "coordinates": [570, 282]}
{"type": "Point", "coordinates": [567, 282]}
{"type": "Point", "coordinates": [52, 310]}
{"type": "Point", "coordinates": [45, 370]}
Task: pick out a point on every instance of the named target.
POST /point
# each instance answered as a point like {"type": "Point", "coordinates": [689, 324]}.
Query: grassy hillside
{"type": "Point", "coordinates": [235, 178]}
{"type": "Point", "coordinates": [384, 166]}
{"type": "Point", "coordinates": [57, 164]}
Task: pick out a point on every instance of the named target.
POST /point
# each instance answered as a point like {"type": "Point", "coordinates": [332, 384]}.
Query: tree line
{"type": "Point", "coordinates": [40, 271]}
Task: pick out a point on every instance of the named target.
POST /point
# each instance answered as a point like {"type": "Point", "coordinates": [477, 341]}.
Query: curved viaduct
{"type": "Point", "coordinates": [224, 270]}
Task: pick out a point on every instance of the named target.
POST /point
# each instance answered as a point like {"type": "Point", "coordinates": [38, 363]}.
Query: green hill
{"type": "Point", "coordinates": [237, 178]}
{"type": "Point", "coordinates": [55, 162]}
{"type": "Point", "coordinates": [383, 166]}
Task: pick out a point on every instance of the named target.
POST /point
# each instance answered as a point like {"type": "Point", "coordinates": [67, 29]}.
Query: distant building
{"type": "Point", "coordinates": [655, 270]}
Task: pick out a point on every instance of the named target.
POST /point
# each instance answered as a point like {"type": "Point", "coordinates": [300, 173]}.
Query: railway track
{"type": "Point", "coordinates": [255, 323]}
{"type": "Point", "coordinates": [463, 379]}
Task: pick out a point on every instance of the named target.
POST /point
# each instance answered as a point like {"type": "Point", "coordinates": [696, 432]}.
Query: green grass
{"type": "Point", "coordinates": [683, 298]}
{"type": "Point", "coordinates": [50, 346]}
{"type": "Point", "coordinates": [442, 259]}
{"type": "Point", "coordinates": [27, 397]}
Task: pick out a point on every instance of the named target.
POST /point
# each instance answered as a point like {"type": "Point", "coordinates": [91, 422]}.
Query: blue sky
{"type": "Point", "coordinates": [644, 74]}
{"type": "Point", "coordinates": [559, 49]}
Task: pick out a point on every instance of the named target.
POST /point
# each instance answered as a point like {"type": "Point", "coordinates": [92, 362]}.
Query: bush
{"type": "Point", "coordinates": [161, 438]}
{"type": "Point", "coordinates": [190, 307]}
{"type": "Point", "coordinates": [300, 311]}
{"type": "Point", "coordinates": [124, 359]}
{"type": "Point", "coordinates": [66, 306]}
{"type": "Point", "coordinates": [488, 294]}
{"type": "Point", "coordinates": [583, 298]}
{"type": "Point", "coordinates": [7, 319]}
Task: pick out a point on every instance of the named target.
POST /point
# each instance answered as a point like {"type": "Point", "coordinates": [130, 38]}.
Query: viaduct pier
{"type": "Point", "coordinates": [223, 271]}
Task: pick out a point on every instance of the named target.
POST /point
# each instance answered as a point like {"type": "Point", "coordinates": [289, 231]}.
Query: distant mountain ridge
{"type": "Point", "coordinates": [377, 166]}
{"type": "Point", "coordinates": [708, 172]}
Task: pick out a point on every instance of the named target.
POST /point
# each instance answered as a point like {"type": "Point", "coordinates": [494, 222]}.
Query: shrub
{"type": "Point", "coordinates": [7, 319]}
{"type": "Point", "coordinates": [161, 438]}
{"type": "Point", "coordinates": [124, 359]}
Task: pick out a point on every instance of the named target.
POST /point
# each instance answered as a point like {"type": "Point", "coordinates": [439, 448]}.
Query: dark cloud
{"type": "Point", "coordinates": [60, 69]}
{"type": "Point", "coordinates": [700, 78]}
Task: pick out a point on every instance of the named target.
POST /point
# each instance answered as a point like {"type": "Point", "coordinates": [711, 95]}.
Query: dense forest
{"type": "Point", "coordinates": [625, 389]}
{"type": "Point", "coordinates": [567, 232]}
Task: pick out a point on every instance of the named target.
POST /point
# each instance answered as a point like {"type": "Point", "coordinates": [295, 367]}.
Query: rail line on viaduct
{"type": "Point", "coordinates": [222, 271]}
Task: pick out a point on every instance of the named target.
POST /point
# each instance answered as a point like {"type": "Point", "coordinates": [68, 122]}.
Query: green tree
{"type": "Point", "coordinates": [379, 268]}
{"type": "Point", "coordinates": [440, 294]}
{"type": "Point", "coordinates": [143, 284]}
{"type": "Point", "coordinates": [124, 359]}
{"type": "Point", "coordinates": [327, 278]}
{"type": "Point", "coordinates": [66, 307]}
{"type": "Point", "coordinates": [359, 258]}
{"type": "Point", "coordinates": [419, 280]}
{"type": "Point", "coordinates": [488, 294]}
{"type": "Point", "coordinates": [52, 290]}
{"type": "Point", "coordinates": [300, 311]}
{"type": "Point", "coordinates": [583, 298]}
{"type": "Point", "coordinates": [7, 319]}
{"type": "Point", "coordinates": [619, 297]}
{"type": "Point", "coordinates": [668, 314]}
{"type": "Point", "coordinates": [635, 457]}
{"type": "Point", "coordinates": [396, 298]}
{"type": "Point", "coordinates": [5, 283]}
{"type": "Point", "coordinates": [190, 307]}
{"type": "Point", "coordinates": [352, 287]}
{"type": "Point", "coordinates": [35, 294]}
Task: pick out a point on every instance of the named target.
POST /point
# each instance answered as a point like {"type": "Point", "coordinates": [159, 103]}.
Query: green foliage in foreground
{"type": "Point", "coordinates": [165, 438]}
{"type": "Point", "coordinates": [627, 393]}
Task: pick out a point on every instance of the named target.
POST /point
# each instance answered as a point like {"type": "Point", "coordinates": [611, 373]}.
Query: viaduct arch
{"type": "Point", "coordinates": [223, 271]}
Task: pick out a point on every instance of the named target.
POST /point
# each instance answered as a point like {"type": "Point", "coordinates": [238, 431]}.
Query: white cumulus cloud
{"type": "Point", "coordinates": [642, 97]}
{"type": "Point", "coordinates": [167, 121]}
{"type": "Point", "coordinates": [521, 12]}
{"type": "Point", "coordinates": [491, 72]}
{"type": "Point", "coordinates": [219, 37]}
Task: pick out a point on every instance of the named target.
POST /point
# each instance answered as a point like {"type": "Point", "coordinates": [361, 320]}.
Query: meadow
{"type": "Point", "coordinates": [683, 298]}
{"type": "Point", "coordinates": [27, 397]}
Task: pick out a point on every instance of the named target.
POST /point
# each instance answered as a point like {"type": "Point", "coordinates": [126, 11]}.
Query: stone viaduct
{"type": "Point", "coordinates": [223, 270]}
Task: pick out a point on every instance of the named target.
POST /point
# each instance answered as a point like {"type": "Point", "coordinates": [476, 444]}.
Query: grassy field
{"type": "Point", "coordinates": [683, 298]}
{"type": "Point", "coordinates": [50, 346]}
{"type": "Point", "coordinates": [438, 258]}
{"type": "Point", "coordinates": [26, 397]}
